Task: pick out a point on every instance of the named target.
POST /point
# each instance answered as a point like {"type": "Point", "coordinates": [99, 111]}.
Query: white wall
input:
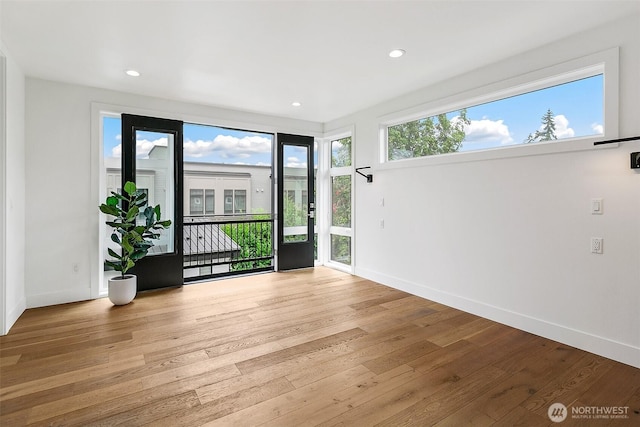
{"type": "Point", "coordinates": [509, 239]}
{"type": "Point", "coordinates": [62, 178]}
{"type": "Point", "coordinates": [12, 183]}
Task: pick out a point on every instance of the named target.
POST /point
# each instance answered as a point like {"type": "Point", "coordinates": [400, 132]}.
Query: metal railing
{"type": "Point", "coordinates": [227, 245]}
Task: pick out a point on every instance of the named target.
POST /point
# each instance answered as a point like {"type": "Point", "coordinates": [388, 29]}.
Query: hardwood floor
{"type": "Point", "coordinates": [315, 347]}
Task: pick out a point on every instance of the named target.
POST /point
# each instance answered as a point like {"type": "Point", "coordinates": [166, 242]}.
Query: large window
{"type": "Point", "coordinates": [569, 110]}
{"type": "Point", "coordinates": [341, 200]}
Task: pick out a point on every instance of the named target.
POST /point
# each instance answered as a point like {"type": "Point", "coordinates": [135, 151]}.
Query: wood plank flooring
{"type": "Point", "coordinates": [308, 348]}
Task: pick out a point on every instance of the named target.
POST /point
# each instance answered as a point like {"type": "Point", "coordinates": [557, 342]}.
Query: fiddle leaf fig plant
{"type": "Point", "coordinates": [131, 231]}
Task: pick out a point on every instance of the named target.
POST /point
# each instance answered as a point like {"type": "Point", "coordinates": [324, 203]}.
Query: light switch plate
{"type": "Point", "coordinates": [597, 208]}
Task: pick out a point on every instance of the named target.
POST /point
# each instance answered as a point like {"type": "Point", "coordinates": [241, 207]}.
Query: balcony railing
{"type": "Point", "coordinates": [227, 245]}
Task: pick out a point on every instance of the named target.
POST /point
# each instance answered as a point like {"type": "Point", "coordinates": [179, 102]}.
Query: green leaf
{"type": "Point", "coordinates": [127, 246]}
{"type": "Point", "coordinates": [130, 188]}
{"type": "Point", "coordinates": [126, 226]}
{"type": "Point", "coordinates": [114, 253]}
{"type": "Point", "coordinates": [139, 254]}
{"type": "Point", "coordinates": [133, 212]}
{"type": "Point", "coordinates": [115, 265]}
{"type": "Point", "coordinates": [157, 211]}
{"type": "Point", "coordinates": [115, 238]}
{"type": "Point", "coordinates": [112, 201]}
{"type": "Point", "coordinates": [109, 209]}
{"type": "Point", "coordinates": [129, 265]}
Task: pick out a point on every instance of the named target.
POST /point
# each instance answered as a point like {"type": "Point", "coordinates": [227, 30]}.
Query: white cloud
{"type": "Point", "coordinates": [597, 128]}
{"type": "Point", "coordinates": [294, 162]}
{"type": "Point", "coordinates": [486, 130]}
{"type": "Point", "coordinates": [143, 146]}
{"type": "Point", "coordinates": [228, 147]}
{"type": "Point", "coordinates": [562, 127]}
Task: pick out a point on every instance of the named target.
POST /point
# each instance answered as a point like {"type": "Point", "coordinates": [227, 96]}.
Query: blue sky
{"type": "Point", "coordinates": [577, 108]}
{"type": "Point", "coordinates": [201, 144]}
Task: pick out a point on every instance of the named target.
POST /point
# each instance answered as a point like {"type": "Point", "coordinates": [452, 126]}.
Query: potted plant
{"type": "Point", "coordinates": [134, 226]}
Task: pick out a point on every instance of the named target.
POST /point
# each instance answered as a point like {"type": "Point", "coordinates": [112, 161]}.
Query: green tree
{"type": "Point", "coordinates": [426, 137]}
{"type": "Point", "coordinates": [341, 201]}
{"type": "Point", "coordinates": [254, 239]}
{"type": "Point", "coordinates": [294, 215]}
{"type": "Point", "coordinates": [548, 131]}
{"type": "Point", "coordinates": [341, 156]}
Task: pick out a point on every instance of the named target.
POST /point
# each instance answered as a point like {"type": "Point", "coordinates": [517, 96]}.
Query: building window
{"type": "Point", "coordinates": [201, 202]}
{"type": "Point", "coordinates": [196, 202]}
{"type": "Point", "coordinates": [565, 105]}
{"type": "Point", "coordinates": [209, 202]}
{"type": "Point", "coordinates": [228, 202]}
{"type": "Point", "coordinates": [240, 202]}
{"type": "Point", "coordinates": [235, 202]}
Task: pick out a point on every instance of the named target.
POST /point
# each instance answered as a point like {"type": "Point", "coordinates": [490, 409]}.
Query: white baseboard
{"type": "Point", "coordinates": [60, 297]}
{"type": "Point", "coordinates": [602, 346]}
{"type": "Point", "coordinates": [14, 314]}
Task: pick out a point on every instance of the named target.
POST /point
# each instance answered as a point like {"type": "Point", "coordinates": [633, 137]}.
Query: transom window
{"type": "Point", "coordinates": [569, 110]}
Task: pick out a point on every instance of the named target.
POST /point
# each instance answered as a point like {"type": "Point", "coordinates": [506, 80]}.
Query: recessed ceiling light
{"type": "Point", "coordinates": [396, 53]}
{"type": "Point", "coordinates": [132, 73]}
{"type": "Point", "coordinates": [296, 104]}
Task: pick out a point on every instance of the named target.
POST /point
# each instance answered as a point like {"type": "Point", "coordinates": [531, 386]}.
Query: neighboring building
{"type": "Point", "coordinates": [225, 189]}
{"type": "Point", "coordinates": [212, 188]}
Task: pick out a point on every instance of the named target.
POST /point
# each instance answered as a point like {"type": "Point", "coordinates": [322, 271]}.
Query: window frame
{"type": "Point", "coordinates": [211, 196]}
{"type": "Point", "coordinates": [604, 62]}
{"type": "Point", "coordinates": [329, 229]}
{"type": "Point", "coordinates": [193, 197]}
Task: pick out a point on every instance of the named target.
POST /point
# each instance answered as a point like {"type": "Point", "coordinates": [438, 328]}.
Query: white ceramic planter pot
{"type": "Point", "coordinates": [122, 291]}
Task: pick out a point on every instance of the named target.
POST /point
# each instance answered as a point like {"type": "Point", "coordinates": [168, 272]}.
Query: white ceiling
{"type": "Point", "coordinates": [261, 56]}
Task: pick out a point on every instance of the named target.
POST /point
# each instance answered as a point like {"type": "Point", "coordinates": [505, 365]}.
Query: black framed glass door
{"type": "Point", "coordinates": [159, 172]}
{"type": "Point", "coordinates": [296, 202]}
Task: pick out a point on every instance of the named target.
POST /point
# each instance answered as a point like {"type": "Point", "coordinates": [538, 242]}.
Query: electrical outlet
{"type": "Point", "coordinates": [596, 245]}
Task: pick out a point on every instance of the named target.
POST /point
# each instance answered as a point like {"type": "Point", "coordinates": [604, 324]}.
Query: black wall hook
{"type": "Point", "coordinates": [368, 176]}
